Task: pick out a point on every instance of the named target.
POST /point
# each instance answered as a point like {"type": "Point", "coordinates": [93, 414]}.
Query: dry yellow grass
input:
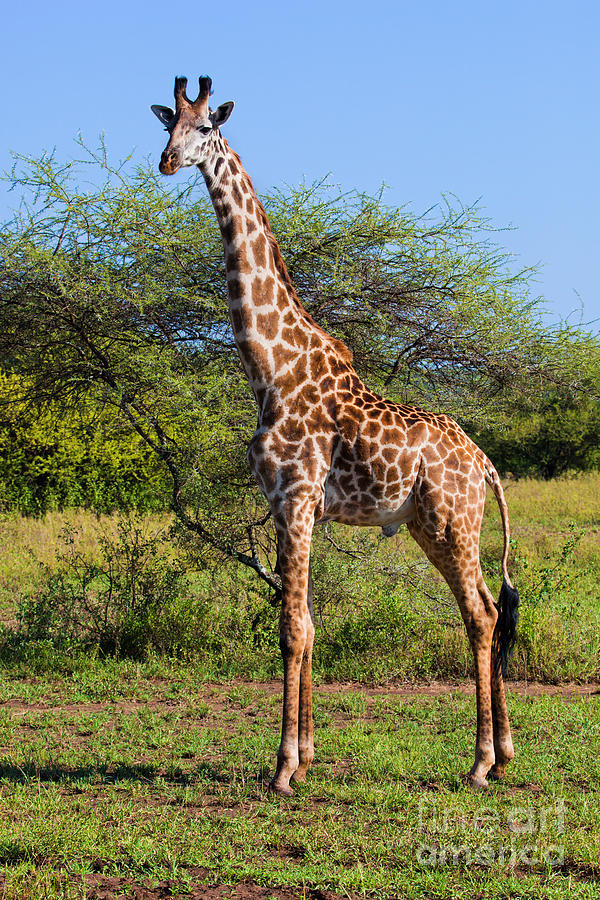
{"type": "Point", "coordinates": [30, 545]}
{"type": "Point", "coordinates": [552, 504]}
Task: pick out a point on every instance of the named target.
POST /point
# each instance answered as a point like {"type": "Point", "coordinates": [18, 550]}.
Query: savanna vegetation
{"type": "Point", "coordinates": [139, 635]}
{"type": "Point", "coordinates": [74, 586]}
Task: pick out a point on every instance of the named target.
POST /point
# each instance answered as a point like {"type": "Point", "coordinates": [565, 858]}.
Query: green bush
{"type": "Point", "coordinates": [557, 436]}
{"type": "Point", "coordinates": [53, 458]}
{"type": "Point", "coordinates": [138, 595]}
{"type": "Point", "coordinates": [120, 604]}
{"type": "Point", "coordinates": [559, 631]}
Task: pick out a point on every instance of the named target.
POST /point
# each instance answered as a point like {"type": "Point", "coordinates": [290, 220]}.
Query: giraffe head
{"type": "Point", "coordinates": [192, 127]}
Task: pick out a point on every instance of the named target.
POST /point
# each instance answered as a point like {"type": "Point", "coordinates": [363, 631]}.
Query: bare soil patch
{"type": "Point", "coordinates": [216, 696]}
{"type": "Point", "coordinates": [105, 887]}
{"type": "Point", "coordinates": [110, 887]}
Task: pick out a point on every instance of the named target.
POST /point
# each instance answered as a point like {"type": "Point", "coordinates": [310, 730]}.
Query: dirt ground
{"type": "Point", "coordinates": [105, 888]}
{"type": "Point", "coordinates": [215, 695]}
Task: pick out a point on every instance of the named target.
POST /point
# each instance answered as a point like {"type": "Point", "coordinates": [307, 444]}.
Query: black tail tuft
{"type": "Point", "coordinates": [508, 607]}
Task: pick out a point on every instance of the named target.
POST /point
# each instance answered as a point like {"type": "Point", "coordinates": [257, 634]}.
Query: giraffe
{"type": "Point", "coordinates": [327, 448]}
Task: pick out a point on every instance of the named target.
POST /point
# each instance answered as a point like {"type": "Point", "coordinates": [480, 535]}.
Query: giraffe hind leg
{"type": "Point", "coordinates": [461, 570]}
{"type": "Point", "coordinates": [503, 745]}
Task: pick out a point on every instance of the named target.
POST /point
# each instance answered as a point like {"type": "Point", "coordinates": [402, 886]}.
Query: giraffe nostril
{"type": "Point", "coordinates": [169, 161]}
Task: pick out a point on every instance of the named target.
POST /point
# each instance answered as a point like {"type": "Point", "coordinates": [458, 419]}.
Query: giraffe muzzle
{"type": "Point", "coordinates": [170, 161]}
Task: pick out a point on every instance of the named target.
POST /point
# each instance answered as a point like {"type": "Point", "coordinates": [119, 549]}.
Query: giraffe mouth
{"type": "Point", "coordinates": [169, 163]}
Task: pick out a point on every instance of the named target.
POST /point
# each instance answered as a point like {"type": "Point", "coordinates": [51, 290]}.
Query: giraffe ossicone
{"type": "Point", "coordinates": [327, 448]}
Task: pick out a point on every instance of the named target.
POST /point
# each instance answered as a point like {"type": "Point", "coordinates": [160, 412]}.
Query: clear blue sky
{"type": "Point", "coordinates": [491, 100]}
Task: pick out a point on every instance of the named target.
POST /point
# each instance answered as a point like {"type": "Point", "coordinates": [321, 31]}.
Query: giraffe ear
{"type": "Point", "coordinates": [164, 113]}
{"type": "Point", "coordinates": [222, 113]}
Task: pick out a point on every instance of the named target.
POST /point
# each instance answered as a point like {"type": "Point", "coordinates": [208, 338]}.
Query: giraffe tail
{"type": "Point", "coordinates": [508, 602]}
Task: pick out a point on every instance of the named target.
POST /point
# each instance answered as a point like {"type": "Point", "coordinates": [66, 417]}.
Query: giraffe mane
{"type": "Point", "coordinates": [339, 347]}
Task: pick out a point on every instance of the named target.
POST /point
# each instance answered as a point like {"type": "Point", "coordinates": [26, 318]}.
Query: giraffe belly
{"type": "Point", "coordinates": [388, 516]}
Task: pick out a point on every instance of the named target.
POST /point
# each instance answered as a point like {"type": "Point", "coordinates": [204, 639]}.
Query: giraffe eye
{"type": "Point", "coordinates": [204, 129]}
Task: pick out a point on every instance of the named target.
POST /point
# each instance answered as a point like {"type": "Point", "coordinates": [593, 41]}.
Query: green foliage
{"type": "Point", "coordinates": [84, 457]}
{"type": "Point", "coordinates": [378, 610]}
{"type": "Point", "coordinates": [543, 578]}
{"type": "Point", "coordinates": [121, 604]}
{"type": "Point", "coordinates": [133, 594]}
{"type": "Point", "coordinates": [553, 610]}
{"type": "Point", "coordinates": [559, 435]}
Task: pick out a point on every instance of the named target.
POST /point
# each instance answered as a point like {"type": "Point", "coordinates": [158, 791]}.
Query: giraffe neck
{"type": "Point", "coordinates": [272, 331]}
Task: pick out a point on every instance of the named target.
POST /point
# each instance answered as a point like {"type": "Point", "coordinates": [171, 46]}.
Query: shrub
{"type": "Point", "coordinates": [559, 631]}
{"type": "Point", "coordinates": [120, 604]}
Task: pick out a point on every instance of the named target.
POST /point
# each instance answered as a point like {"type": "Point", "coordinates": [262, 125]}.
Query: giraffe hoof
{"type": "Point", "coordinates": [497, 772]}
{"type": "Point", "coordinates": [283, 790]}
{"type": "Point", "coordinates": [298, 777]}
{"type": "Point", "coordinates": [477, 783]}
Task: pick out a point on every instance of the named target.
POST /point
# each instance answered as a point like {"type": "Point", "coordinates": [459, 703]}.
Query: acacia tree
{"type": "Point", "coordinates": [113, 289]}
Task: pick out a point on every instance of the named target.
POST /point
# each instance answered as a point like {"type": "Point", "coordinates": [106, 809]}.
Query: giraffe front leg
{"type": "Point", "coordinates": [294, 532]}
{"type": "Point", "coordinates": [288, 754]}
{"type": "Point", "coordinates": [306, 747]}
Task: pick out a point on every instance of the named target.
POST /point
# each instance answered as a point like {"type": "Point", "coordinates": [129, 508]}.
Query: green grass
{"type": "Point", "coordinates": [153, 779]}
